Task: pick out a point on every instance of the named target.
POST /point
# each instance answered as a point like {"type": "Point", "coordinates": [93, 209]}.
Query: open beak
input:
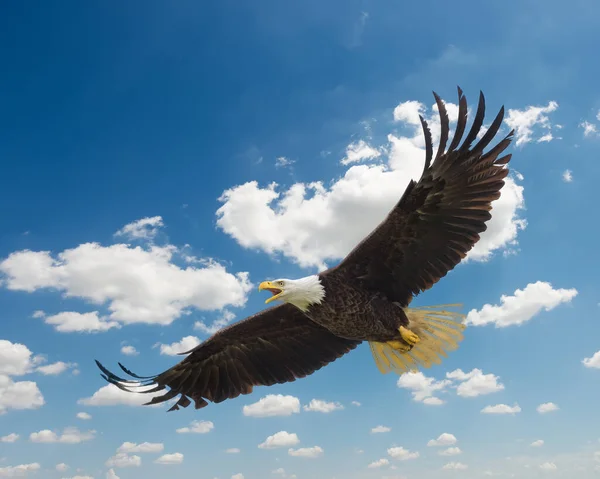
{"type": "Point", "coordinates": [270, 287]}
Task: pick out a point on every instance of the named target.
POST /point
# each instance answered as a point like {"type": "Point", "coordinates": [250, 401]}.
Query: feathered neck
{"type": "Point", "coordinates": [305, 292]}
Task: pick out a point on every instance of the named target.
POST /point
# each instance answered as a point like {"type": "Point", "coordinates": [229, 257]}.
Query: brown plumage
{"type": "Point", "coordinates": [365, 298]}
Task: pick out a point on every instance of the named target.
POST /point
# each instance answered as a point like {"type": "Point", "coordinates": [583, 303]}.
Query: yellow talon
{"type": "Point", "coordinates": [408, 336]}
{"type": "Point", "coordinates": [398, 345]}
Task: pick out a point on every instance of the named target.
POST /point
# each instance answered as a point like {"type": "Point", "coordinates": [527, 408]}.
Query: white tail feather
{"type": "Point", "coordinates": [439, 331]}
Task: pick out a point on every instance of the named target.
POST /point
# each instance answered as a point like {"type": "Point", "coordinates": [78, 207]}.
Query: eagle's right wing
{"type": "Point", "coordinates": [276, 345]}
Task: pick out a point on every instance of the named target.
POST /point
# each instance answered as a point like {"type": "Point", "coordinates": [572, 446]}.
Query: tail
{"type": "Point", "coordinates": [439, 331]}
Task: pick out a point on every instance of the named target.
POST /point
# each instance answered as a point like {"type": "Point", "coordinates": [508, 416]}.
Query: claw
{"type": "Point", "coordinates": [408, 336]}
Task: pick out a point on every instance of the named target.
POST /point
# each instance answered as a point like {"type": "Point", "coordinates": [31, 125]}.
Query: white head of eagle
{"type": "Point", "coordinates": [300, 292]}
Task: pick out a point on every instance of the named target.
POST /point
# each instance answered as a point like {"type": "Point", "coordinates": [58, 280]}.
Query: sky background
{"type": "Point", "coordinates": [160, 159]}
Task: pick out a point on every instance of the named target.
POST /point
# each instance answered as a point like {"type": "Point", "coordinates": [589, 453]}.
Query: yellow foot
{"type": "Point", "coordinates": [408, 336]}
{"type": "Point", "coordinates": [398, 346]}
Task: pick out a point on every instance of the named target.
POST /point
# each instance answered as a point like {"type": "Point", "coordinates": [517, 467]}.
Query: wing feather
{"type": "Point", "coordinates": [439, 219]}
{"type": "Point", "coordinates": [275, 346]}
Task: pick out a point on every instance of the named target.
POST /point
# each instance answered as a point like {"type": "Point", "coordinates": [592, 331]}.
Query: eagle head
{"type": "Point", "coordinates": [300, 292]}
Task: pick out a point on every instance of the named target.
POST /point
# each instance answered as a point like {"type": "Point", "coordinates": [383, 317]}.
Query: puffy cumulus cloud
{"type": "Point", "coordinates": [593, 361]}
{"type": "Point", "coordinates": [402, 454]}
{"type": "Point", "coordinates": [280, 439]}
{"type": "Point", "coordinates": [307, 452]}
{"type": "Point", "coordinates": [178, 347]}
{"type": "Point", "coordinates": [56, 368]}
{"type": "Point", "coordinates": [444, 439]}
{"type": "Point", "coordinates": [475, 383]}
{"type": "Point", "coordinates": [547, 407]}
{"type": "Point", "coordinates": [423, 387]}
{"type": "Point", "coordinates": [359, 151]}
{"type": "Point", "coordinates": [144, 447]}
{"type": "Point", "coordinates": [197, 427]}
{"type": "Point", "coordinates": [12, 437]}
{"type": "Point", "coordinates": [532, 123]}
{"type": "Point", "coordinates": [145, 228]}
{"type": "Point", "coordinates": [501, 409]}
{"type": "Point", "coordinates": [380, 429]}
{"type": "Point", "coordinates": [590, 130]}
{"type": "Point", "coordinates": [62, 467]}
{"type": "Point", "coordinates": [111, 395]}
{"type": "Point", "coordinates": [567, 176]}
{"type": "Point", "coordinates": [318, 405]}
{"type": "Point", "coordinates": [548, 466]}
{"type": "Point", "coordinates": [224, 319]}
{"type": "Point", "coordinates": [16, 359]}
{"type": "Point", "coordinates": [451, 451]}
{"type": "Point", "coordinates": [379, 463]}
{"type": "Point", "coordinates": [70, 435]}
{"type": "Point", "coordinates": [128, 350]}
{"type": "Point", "coordinates": [314, 223]}
{"type": "Point", "coordinates": [522, 306]}
{"type": "Point", "coordinates": [122, 459]}
{"type": "Point", "coordinates": [175, 458]}
{"type": "Point", "coordinates": [19, 395]}
{"type": "Point", "coordinates": [84, 416]}
{"type": "Point", "coordinates": [19, 471]}
{"type": "Point", "coordinates": [137, 284]}
{"type": "Point", "coordinates": [111, 474]}
{"type": "Point", "coordinates": [457, 466]}
{"type": "Point", "coordinates": [538, 443]}
{"type": "Point", "coordinates": [273, 405]}
{"type": "Point", "coordinates": [74, 322]}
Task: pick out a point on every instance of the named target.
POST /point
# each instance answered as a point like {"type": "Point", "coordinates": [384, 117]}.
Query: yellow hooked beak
{"type": "Point", "coordinates": [269, 286]}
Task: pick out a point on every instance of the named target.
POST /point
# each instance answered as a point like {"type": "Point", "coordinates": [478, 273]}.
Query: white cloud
{"type": "Point", "coordinates": [121, 459]}
{"type": "Point", "coordinates": [232, 450]}
{"type": "Point", "coordinates": [308, 452]}
{"type": "Point", "coordinates": [223, 320]}
{"type": "Point", "coordinates": [311, 223]}
{"type": "Point", "coordinates": [538, 443]}
{"type": "Point", "coordinates": [356, 403]}
{"type": "Point", "coordinates": [62, 467]}
{"type": "Point", "coordinates": [185, 344]}
{"type": "Point", "coordinates": [19, 395]}
{"type": "Point", "coordinates": [444, 439]}
{"type": "Point", "coordinates": [547, 407]}
{"type": "Point", "coordinates": [273, 405]}
{"type": "Point", "coordinates": [70, 435]}
{"type": "Point", "coordinates": [55, 369]}
{"type": "Point", "coordinates": [379, 463]}
{"type": "Point", "coordinates": [144, 447]}
{"type": "Point", "coordinates": [84, 416]}
{"type": "Point", "coordinates": [423, 387]}
{"type": "Point", "coordinates": [501, 409]}
{"type": "Point", "coordinates": [239, 475]}
{"type": "Point", "coordinates": [589, 129]}
{"type": "Point", "coordinates": [197, 427]}
{"type": "Point", "coordinates": [380, 429]}
{"type": "Point", "coordinates": [593, 362]}
{"type": "Point", "coordinates": [475, 383]}
{"type": "Point", "coordinates": [522, 306]}
{"type": "Point", "coordinates": [548, 466]}
{"type": "Point", "coordinates": [567, 176]}
{"type": "Point", "coordinates": [129, 351]}
{"type": "Point", "coordinates": [524, 122]}
{"type": "Point", "coordinates": [111, 395]}
{"type": "Point", "coordinates": [12, 437]}
{"type": "Point", "coordinates": [175, 458]}
{"type": "Point", "coordinates": [457, 466]}
{"type": "Point", "coordinates": [74, 322]}
{"type": "Point", "coordinates": [359, 151]}
{"type": "Point", "coordinates": [283, 162]}
{"type": "Point", "coordinates": [20, 470]}
{"type": "Point", "coordinates": [402, 454]}
{"type": "Point", "coordinates": [451, 451]}
{"type": "Point", "coordinates": [138, 284]}
{"type": "Point", "coordinates": [16, 359]}
{"type": "Point", "coordinates": [280, 439]}
{"type": "Point", "coordinates": [146, 228]}
{"type": "Point", "coordinates": [111, 474]}
{"type": "Point", "coordinates": [318, 405]}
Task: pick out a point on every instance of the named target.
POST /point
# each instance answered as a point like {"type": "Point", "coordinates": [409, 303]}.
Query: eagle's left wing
{"type": "Point", "coordinates": [437, 220]}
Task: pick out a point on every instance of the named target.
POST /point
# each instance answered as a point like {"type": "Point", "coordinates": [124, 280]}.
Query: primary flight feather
{"type": "Point", "coordinates": [365, 298]}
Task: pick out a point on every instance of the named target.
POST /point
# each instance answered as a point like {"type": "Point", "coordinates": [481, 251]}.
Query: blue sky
{"type": "Point", "coordinates": [161, 159]}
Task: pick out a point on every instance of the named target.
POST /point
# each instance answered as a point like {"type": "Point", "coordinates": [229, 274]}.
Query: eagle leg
{"type": "Point", "coordinates": [408, 336]}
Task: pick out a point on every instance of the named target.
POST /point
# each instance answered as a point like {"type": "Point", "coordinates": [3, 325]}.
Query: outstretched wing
{"type": "Point", "coordinates": [439, 219]}
{"type": "Point", "coordinates": [276, 345]}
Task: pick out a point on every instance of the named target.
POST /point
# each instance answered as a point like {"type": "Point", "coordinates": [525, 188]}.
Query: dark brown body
{"type": "Point", "coordinates": [355, 313]}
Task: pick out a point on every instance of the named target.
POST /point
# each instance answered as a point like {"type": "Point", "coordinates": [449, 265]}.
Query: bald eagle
{"type": "Point", "coordinates": [365, 297]}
